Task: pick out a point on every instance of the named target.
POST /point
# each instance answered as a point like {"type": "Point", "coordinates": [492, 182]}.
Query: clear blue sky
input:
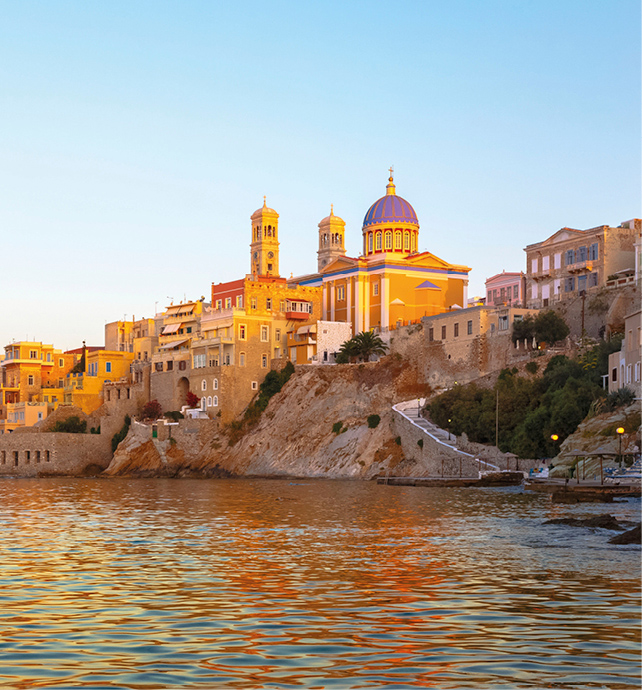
{"type": "Point", "coordinates": [137, 138]}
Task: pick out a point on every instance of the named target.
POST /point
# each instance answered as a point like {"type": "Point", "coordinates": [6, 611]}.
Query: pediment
{"type": "Point", "coordinates": [340, 263]}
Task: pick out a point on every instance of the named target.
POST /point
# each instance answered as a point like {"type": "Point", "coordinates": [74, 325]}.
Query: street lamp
{"type": "Point", "coordinates": [619, 431]}
{"type": "Point", "coordinates": [449, 421]}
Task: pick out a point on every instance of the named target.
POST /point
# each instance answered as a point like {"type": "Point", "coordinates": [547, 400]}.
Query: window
{"type": "Point", "coordinates": [209, 401]}
{"type": "Point", "coordinates": [569, 284]}
{"type": "Point", "coordinates": [158, 366]}
{"type": "Point", "coordinates": [406, 241]}
{"type": "Point", "coordinates": [545, 263]}
{"type": "Point", "coordinates": [228, 302]}
{"type": "Point", "coordinates": [378, 242]}
{"type": "Point", "coordinates": [188, 329]}
{"type": "Point", "coordinates": [255, 385]}
{"type": "Point", "coordinates": [534, 291]}
{"type": "Point", "coordinates": [215, 401]}
{"type": "Point", "coordinates": [268, 303]}
{"type": "Point", "coordinates": [219, 304]}
{"type": "Point", "coordinates": [170, 365]}
{"type": "Point", "coordinates": [593, 252]}
{"type": "Point", "coordinates": [375, 288]}
{"type": "Point", "coordinates": [239, 301]}
{"type": "Point", "coordinates": [282, 305]}
{"type": "Point", "coordinates": [277, 334]}
{"type": "Point", "coordinates": [515, 291]}
{"type": "Point", "coordinates": [108, 367]}
{"type": "Point", "coordinates": [264, 361]}
{"type": "Point", "coordinates": [253, 302]}
{"type": "Point", "coordinates": [33, 354]}
{"type": "Point", "coordinates": [370, 242]}
{"type": "Point", "coordinates": [443, 332]}
{"type": "Point", "coordinates": [215, 384]}
{"type": "Point", "coordinates": [570, 257]}
{"type": "Point", "coordinates": [503, 323]}
{"type": "Point", "coordinates": [265, 334]}
{"type": "Point", "coordinates": [533, 265]}
{"type": "Point", "coordinates": [581, 283]}
{"type": "Point", "coordinates": [469, 328]}
{"type": "Point", "coordinates": [242, 359]}
{"type": "Point", "coordinates": [203, 385]}
{"type": "Point", "coordinates": [340, 293]}
{"type": "Point", "coordinates": [502, 294]}
{"type": "Point", "coordinates": [182, 365]}
{"type": "Point", "coordinates": [557, 260]}
{"type": "Point", "coordinates": [242, 332]}
{"type": "Point", "coordinates": [456, 330]}
{"type": "Point", "coordinates": [61, 362]}
{"type": "Point", "coordinates": [398, 239]}
{"type": "Point", "coordinates": [637, 371]}
{"type": "Point", "coordinates": [556, 286]}
{"type": "Point", "coordinates": [628, 373]}
{"type": "Point", "coordinates": [388, 240]}
{"type": "Point", "coordinates": [431, 334]}
{"type": "Point", "coordinates": [592, 279]}
{"type": "Point", "coordinates": [583, 254]}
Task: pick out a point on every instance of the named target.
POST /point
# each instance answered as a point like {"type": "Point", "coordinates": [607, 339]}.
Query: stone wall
{"type": "Point", "coordinates": [48, 453]}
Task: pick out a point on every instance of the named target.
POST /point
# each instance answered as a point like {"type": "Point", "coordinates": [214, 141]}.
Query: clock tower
{"type": "Point", "coordinates": [264, 260]}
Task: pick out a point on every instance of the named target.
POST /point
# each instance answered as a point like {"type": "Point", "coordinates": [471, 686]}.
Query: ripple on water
{"type": "Point", "coordinates": [152, 584]}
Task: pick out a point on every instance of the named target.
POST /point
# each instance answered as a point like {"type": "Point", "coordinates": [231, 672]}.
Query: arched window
{"type": "Point", "coordinates": [406, 241]}
{"type": "Point", "coordinates": [388, 240]}
{"type": "Point", "coordinates": [203, 403]}
{"type": "Point", "coordinates": [398, 239]}
{"type": "Point", "coordinates": [370, 242]}
{"type": "Point", "coordinates": [215, 384]}
{"type": "Point", "coordinates": [209, 401]}
{"type": "Point", "coordinates": [378, 242]}
{"type": "Point", "coordinates": [203, 385]}
{"type": "Point", "coordinates": [215, 401]}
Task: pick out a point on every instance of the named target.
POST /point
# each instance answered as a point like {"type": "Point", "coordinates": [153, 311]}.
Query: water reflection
{"type": "Point", "coordinates": [159, 583]}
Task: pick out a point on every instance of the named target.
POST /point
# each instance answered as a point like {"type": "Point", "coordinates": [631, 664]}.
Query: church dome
{"type": "Point", "coordinates": [390, 209]}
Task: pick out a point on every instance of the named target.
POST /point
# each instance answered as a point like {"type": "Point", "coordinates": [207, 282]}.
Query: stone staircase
{"type": "Point", "coordinates": [411, 410]}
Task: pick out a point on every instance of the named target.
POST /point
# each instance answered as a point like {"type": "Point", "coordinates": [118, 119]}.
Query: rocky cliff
{"type": "Point", "coordinates": [317, 426]}
{"type": "Point", "coordinates": [597, 434]}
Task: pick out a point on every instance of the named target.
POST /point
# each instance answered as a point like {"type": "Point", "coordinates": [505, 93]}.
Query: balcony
{"type": "Point", "coordinates": [297, 315]}
{"type": "Point", "coordinates": [580, 267]}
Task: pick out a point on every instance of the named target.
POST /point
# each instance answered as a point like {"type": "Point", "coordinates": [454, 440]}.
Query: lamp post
{"type": "Point", "coordinates": [449, 421]}
{"type": "Point", "coordinates": [619, 431]}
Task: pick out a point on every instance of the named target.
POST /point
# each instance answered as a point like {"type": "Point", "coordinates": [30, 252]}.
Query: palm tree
{"type": "Point", "coordinates": [368, 343]}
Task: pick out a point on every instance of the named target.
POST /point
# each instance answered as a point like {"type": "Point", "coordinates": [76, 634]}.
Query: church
{"type": "Point", "coordinates": [391, 284]}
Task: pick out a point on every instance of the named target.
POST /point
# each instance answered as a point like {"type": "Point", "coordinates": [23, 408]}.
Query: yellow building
{"type": "Point", "coordinates": [84, 389]}
{"type": "Point", "coordinates": [246, 327]}
{"type": "Point", "coordinates": [32, 372]}
{"type": "Point", "coordinates": [24, 414]}
{"type": "Point", "coordinates": [391, 283]}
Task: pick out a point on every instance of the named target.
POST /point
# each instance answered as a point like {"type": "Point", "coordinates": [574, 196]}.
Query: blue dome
{"type": "Point", "coordinates": [390, 209]}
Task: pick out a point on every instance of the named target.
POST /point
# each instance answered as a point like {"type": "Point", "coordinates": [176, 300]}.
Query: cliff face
{"type": "Point", "coordinates": [597, 435]}
{"type": "Point", "coordinates": [295, 434]}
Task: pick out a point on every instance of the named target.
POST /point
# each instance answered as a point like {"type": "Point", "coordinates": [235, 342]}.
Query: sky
{"type": "Point", "coordinates": [137, 138]}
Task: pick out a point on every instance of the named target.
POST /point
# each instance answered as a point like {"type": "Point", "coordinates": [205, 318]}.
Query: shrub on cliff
{"type": "Point", "coordinates": [152, 410]}
{"type": "Point", "coordinates": [373, 421]}
{"type": "Point", "coordinates": [120, 435]}
{"type": "Point", "coordinates": [71, 425]}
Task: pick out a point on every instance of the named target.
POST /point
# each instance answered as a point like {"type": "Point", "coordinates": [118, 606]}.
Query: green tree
{"type": "Point", "coordinates": [71, 425]}
{"type": "Point", "coordinates": [550, 327]}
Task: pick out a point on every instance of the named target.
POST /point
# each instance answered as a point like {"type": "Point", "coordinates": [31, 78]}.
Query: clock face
{"type": "Point", "coordinates": [270, 255]}
{"type": "Point", "coordinates": [256, 255]}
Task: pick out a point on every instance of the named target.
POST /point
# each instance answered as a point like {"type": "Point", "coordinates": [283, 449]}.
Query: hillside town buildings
{"type": "Point", "coordinates": [220, 348]}
{"type": "Point", "coordinates": [573, 262]}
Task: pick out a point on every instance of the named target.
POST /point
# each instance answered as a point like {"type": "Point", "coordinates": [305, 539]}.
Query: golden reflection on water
{"type": "Point", "coordinates": [160, 583]}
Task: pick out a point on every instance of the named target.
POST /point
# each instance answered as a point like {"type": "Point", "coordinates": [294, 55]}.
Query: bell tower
{"type": "Point", "coordinates": [264, 257]}
{"type": "Point", "coordinates": [331, 239]}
